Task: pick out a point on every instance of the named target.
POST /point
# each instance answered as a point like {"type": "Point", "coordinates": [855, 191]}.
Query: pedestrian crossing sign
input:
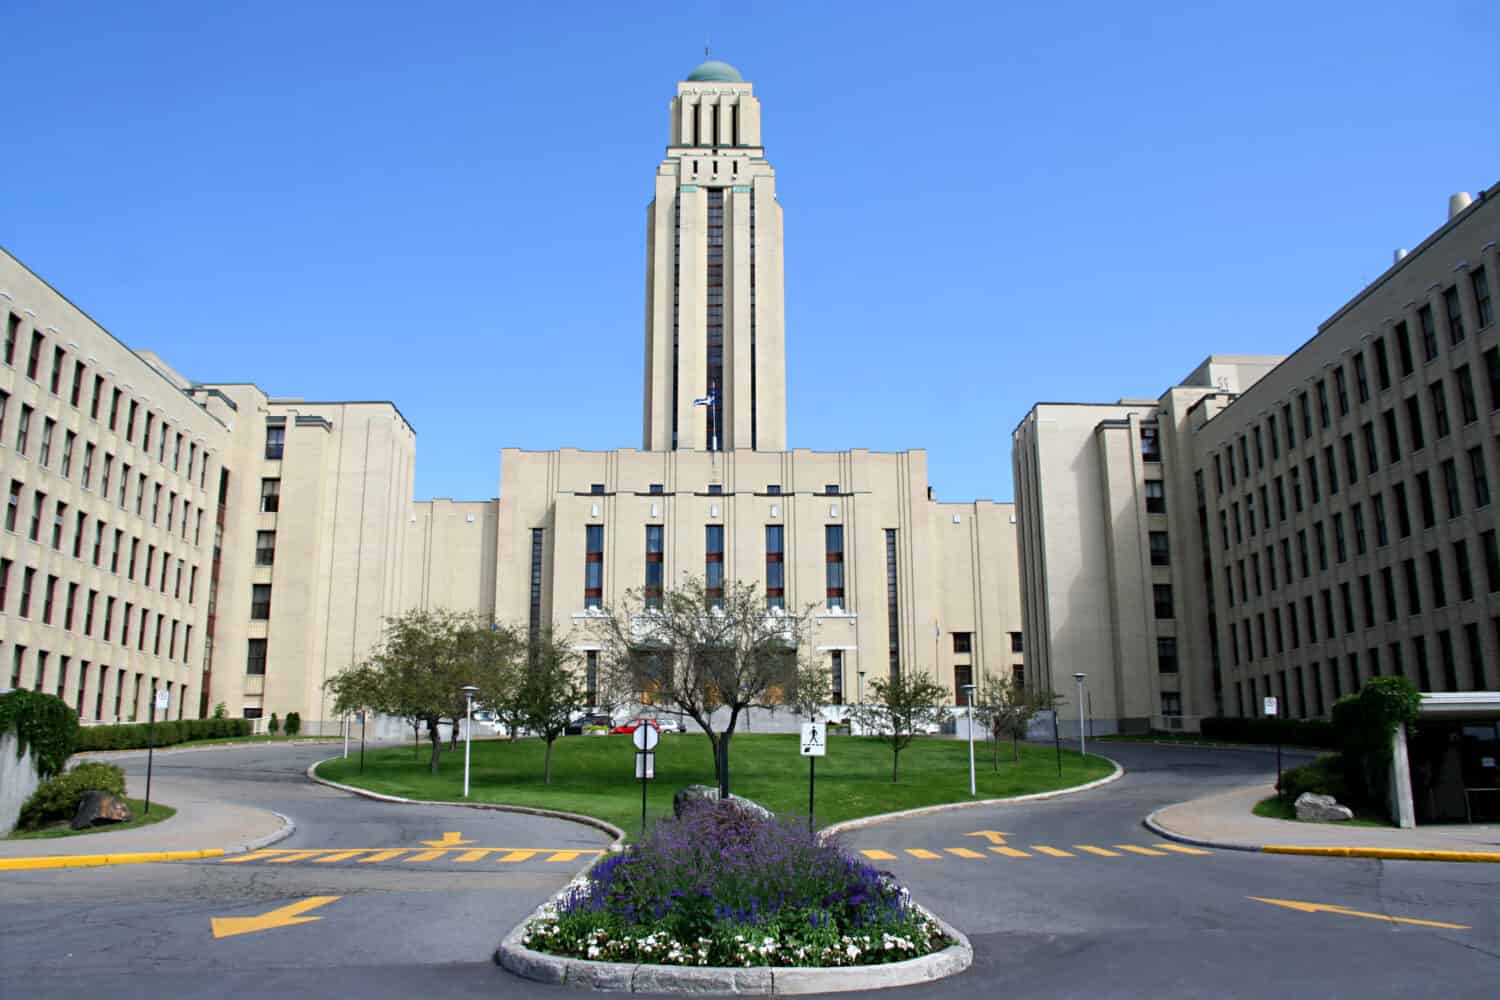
{"type": "Point", "coordinates": [814, 739]}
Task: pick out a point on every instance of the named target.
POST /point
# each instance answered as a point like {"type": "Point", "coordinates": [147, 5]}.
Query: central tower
{"type": "Point", "coordinates": [715, 307]}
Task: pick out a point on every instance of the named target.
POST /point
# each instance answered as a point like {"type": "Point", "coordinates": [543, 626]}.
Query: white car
{"type": "Point", "coordinates": [670, 725]}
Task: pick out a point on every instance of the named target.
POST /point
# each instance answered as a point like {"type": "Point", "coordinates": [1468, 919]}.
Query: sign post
{"type": "Point", "coordinates": [159, 700]}
{"type": "Point", "coordinates": [1272, 711]}
{"type": "Point", "coordinates": [814, 745]}
{"type": "Point", "coordinates": [645, 737]}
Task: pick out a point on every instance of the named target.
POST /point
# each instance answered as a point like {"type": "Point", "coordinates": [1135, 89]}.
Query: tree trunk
{"type": "Point", "coordinates": [437, 743]}
{"type": "Point", "coordinates": [995, 749]}
{"type": "Point", "coordinates": [547, 763]}
{"type": "Point", "coordinates": [1015, 742]}
{"type": "Point", "coordinates": [895, 765]}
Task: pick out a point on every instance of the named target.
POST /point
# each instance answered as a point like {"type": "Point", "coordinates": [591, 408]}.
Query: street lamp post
{"type": "Point", "coordinates": [1083, 747]}
{"type": "Point", "coordinates": [968, 690]}
{"type": "Point", "coordinates": [468, 690]}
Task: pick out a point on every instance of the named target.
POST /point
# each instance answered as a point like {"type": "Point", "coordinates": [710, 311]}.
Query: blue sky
{"type": "Point", "coordinates": [444, 204]}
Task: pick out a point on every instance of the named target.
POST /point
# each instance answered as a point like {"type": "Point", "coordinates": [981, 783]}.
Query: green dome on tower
{"type": "Point", "coordinates": [714, 71]}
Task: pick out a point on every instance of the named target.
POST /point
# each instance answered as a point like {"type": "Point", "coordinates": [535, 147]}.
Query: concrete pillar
{"type": "Point", "coordinates": [1402, 809]}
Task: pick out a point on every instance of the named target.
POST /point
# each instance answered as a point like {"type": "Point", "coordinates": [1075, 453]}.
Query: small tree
{"type": "Point", "coordinates": [903, 706]}
{"type": "Point", "coordinates": [811, 689]}
{"type": "Point", "coordinates": [274, 726]}
{"type": "Point", "coordinates": [293, 723]}
{"type": "Point", "coordinates": [487, 654]}
{"type": "Point", "coordinates": [1006, 710]}
{"type": "Point", "coordinates": [549, 691]}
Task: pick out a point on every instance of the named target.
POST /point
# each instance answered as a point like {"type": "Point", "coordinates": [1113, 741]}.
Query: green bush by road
{"type": "Point", "coordinates": [62, 828]}
{"type": "Point", "coordinates": [594, 775]}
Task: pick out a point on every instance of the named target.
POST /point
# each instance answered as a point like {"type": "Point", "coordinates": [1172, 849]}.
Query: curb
{"type": "Point", "coordinates": [615, 832]}
{"type": "Point", "coordinates": [863, 821]}
{"type": "Point", "coordinates": [288, 827]}
{"type": "Point", "coordinates": [1254, 747]}
{"type": "Point", "coordinates": [1382, 853]}
{"type": "Point", "coordinates": [628, 977]}
{"type": "Point", "coordinates": [194, 747]}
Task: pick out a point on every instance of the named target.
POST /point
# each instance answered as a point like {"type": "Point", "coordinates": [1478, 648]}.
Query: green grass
{"type": "Point", "coordinates": [593, 775]}
{"type": "Point", "coordinates": [1276, 808]}
{"type": "Point", "coordinates": [159, 812]}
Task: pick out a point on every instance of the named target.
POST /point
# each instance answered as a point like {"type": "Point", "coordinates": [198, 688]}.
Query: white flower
{"type": "Point", "coordinates": [593, 951]}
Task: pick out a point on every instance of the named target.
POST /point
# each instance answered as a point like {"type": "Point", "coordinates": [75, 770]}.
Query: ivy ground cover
{"type": "Point", "coordinates": [718, 887]}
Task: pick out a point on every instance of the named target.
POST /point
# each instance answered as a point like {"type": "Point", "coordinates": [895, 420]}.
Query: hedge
{"type": "Point", "coordinates": [42, 723]}
{"type": "Point", "coordinates": [58, 797]}
{"type": "Point", "coordinates": [1324, 776]}
{"type": "Point", "coordinates": [1293, 732]}
{"type": "Point", "coordinates": [133, 737]}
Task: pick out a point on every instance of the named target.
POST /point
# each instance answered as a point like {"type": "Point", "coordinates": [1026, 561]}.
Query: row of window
{"type": "Point", "coordinates": [151, 425]}
{"type": "Point", "coordinates": [51, 592]}
{"type": "Point", "coordinates": [1457, 672]}
{"type": "Point", "coordinates": [713, 489]}
{"type": "Point", "coordinates": [42, 662]}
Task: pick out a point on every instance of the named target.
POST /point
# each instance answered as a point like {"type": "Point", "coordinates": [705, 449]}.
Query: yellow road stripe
{"type": "Point", "coordinates": [1010, 852]}
{"type": "Point", "coordinates": [260, 855]}
{"type": "Point", "coordinates": [338, 856]}
{"type": "Point", "coordinates": [295, 856]}
{"type": "Point", "coordinates": [918, 852]}
{"type": "Point", "coordinates": [1141, 850]}
{"type": "Point", "coordinates": [99, 860]}
{"type": "Point", "coordinates": [520, 855]}
{"type": "Point", "coordinates": [1390, 853]}
{"type": "Point", "coordinates": [432, 855]}
{"type": "Point", "coordinates": [1103, 853]}
{"type": "Point", "coordinates": [384, 855]}
{"type": "Point", "coordinates": [1182, 850]}
{"type": "Point", "coordinates": [1053, 851]}
{"type": "Point", "coordinates": [475, 855]}
{"type": "Point", "coordinates": [963, 852]}
{"type": "Point", "coordinates": [879, 855]}
{"type": "Point", "coordinates": [564, 856]}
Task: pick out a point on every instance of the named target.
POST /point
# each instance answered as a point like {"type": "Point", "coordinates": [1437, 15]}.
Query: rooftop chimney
{"type": "Point", "coordinates": [1400, 252]}
{"type": "Point", "coordinates": [1458, 202]}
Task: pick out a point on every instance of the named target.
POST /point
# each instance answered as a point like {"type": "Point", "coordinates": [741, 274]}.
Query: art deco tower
{"type": "Point", "coordinates": [714, 280]}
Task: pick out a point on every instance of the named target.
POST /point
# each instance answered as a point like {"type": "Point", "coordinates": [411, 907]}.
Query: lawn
{"type": "Point", "coordinates": [1277, 808]}
{"type": "Point", "coordinates": [159, 812]}
{"type": "Point", "coordinates": [594, 775]}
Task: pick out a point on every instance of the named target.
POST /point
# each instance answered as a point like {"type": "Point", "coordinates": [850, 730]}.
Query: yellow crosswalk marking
{"type": "Point", "coordinates": [564, 856]}
{"type": "Point", "coordinates": [261, 855]}
{"type": "Point", "coordinates": [879, 855]}
{"type": "Point", "coordinates": [1142, 850]}
{"type": "Point", "coordinates": [338, 856]}
{"type": "Point", "coordinates": [918, 852]}
{"type": "Point", "coordinates": [1102, 852]}
{"type": "Point", "coordinates": [1181, 849]}
{"type": "Point", "coordinates": [520, 855]}
{"type": "Point", "coordinates": [963, 852]}
{"type": "Point", "coordinates": [295, 856]}
{"type": "Point", "coordinates": [432, 855]}
{"type": "Point", "coordinates": [475, 855]}
{"type": "Point", "coordinates": [1010, 852]}
{"type": "Point", "coordinates": [383, 856]}
{"type": "Point", "coordinates": [1053, 851]}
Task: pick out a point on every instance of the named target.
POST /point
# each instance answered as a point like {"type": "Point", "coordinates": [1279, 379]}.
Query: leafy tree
{"type": "Point", "coordinates": [702, 650]}
{"type": "Point", "coordinates": [487, 654]}
{"type": "Point", "coordinates": [549, 691]}
{"type": "Point", "coordinates": [811, 689]}
{"type": "Point", "coordinates": [903, 706]}
{"type": "Point", "coordinates": [1006, 709]}
{"type": "Point", "coordinates": [274, 726]}
{"type": "Point", "coordinates": [418, 670]}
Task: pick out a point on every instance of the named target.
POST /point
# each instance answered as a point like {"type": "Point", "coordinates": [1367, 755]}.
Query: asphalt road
{"type": "Point", "coordinates": [1071, 923]}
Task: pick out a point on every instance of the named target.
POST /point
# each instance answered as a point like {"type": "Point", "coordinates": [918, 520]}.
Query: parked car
{"type": "Point", "coordinates": [662, 726]}
{"type": "Point", "coordinates": [485, 723]}
{"type": "Point", "coordinates": [588, 720]}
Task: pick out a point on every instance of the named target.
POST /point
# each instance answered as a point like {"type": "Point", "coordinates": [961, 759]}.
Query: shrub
{"type": "Point", "coordinates": [42, 723]}
{"type": "Point", "coordinates": [1365, 723]}
{"type": "Point", "coordinates": [274, 726]}
{"type": "Point", "coordinates": [293, 723]}
{"type": "Point", "coordinates": [133, 737]}
{"type": "Point", "coordinates": [220, 711]}
{"type": "Point", "coordinates": [1292, 732]}
{"type": "Point", "coordinates": [721, 887]}
{"type": "Point", "coordinates": [1324, 776]}
{"type": "Point", "coordinates": [58, 797]}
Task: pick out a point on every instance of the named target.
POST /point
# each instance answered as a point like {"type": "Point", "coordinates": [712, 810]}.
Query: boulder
{"type": "Point", "coordinates": [99, 809]}
{"type": "Point", "coordinates": [693, 795]}
{"type": "Point", "coordinates": [1321, 808]}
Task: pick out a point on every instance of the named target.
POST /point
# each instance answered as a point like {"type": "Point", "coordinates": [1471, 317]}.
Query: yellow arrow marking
{"type": "Point", "coordinates": [994, 836]}
{"type": "Point", "coordinates": [449, 840]}
{"type": "Point", "coordinates": [283, 916]}
{"type": "Point", "coordinates": [1293, 904]}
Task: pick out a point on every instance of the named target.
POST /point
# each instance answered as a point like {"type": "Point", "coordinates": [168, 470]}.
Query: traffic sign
{"type": "Point", "coordinates": [645, 766]}
{"type": "Point", "coordinates": [646, 737]}
{"type": "Point", "coordinates": [814, 739]}
{"type": "Point", "coordinates": [1270, 706]}
{"type": "Point", "coordinates": [162, 697]}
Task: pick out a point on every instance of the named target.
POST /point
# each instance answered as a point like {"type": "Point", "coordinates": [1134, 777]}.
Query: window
{"type": "Point", "coordinates": [1372, 459]}
{"type": "Point", "coordinates": [1439, 411]}
{"type": "Point", "coordinates": [34, 359]}
{"type": "Point", "coordinates": [130, 423]}
{"type": "Point", "coordinates": [1341, 391]}
{"type": "Point", "coordinates": [1017, 645]}
{"type": "Point", "coordinates": [1435, 578]}
{"type": "Point", "coordinates": [833, 546]}
{"type": "Point", "coordinates": [1331, 469]}
{"type": "Point", "coordinates": [88, 464]}
{"type": "Point", "coordinates": [591, 676]}
{"type": "Point", "coordinates": [1482, 305]}
{"type": "Point", "coordinates": [44, 454]}
{"type": "Point", "coordinates": [265, 548]}
{"type": "Point", "coordinates": [23, 429]}
{"type": "Point", "coordinates": [1467, 402]}
{"type": "Point", "coordinates": [1462, 568]}
{"type": "Point", "coordinates": [713, 564]}
{"type": "Point", "coordinates": [1403, 512]}
{"type": "Point", "coordinates": [275, 441]}
{"type": "Point", "coordinates": [963, 642]}
{"type": "Point", "coordinates": [1455, 314]}
{"type": "Point", "coordinates": [1479, 477]}
{"type": "Point", "coordinates": [1392, 437]}
{"type": "Point", "coordinates": [1429, 333]}
{"type": "Point", "coordinates": [1340, 553]}
{"type": "Point", "coordinates": [535, 608]}
{"type": "Point", "coordinates": [593, 566]}
{"type": "Point", "coordinates": [1150, 445]}
{"type": "Point", "coordinates": [12, 327]}
{"type": "Point", "coordinates": [596, 489]}
{"type": "Point", "coordinates": [1361, 379]}
{"type": "Point", "coordinates": [1156, 497]}
{"type": "Point", "coordinates": [1450, 487]}
{"type": "Point", "coordinates": [714, 489]}
{"type": "Point", "coordinates": [836, 668]}
{"type": "Point", "coordinates": [654, 573]}
{"type": "Point", "coordinates": [270, 496]}
{"type": "Point", "coordinates": [1414, 423]}
{"type": "Point", "coordinates": [1491, 560]}
{"type": "Point", "coordinates": [776, 567]}
{"type": "Point", "coordinates": [1161, 594]}
{"type": "Point", "coordinates": [255, 658]}
{"type": "Point", "coordinates": [13, 505]}
{"type": "Point", "coordinates": [656, 489]}
{"type": "Point", "coordinates": [57, 524]}
{"type": "Point", "coordinates": [67, 453]}
{"type": "Point", "coordinates": [1413, 593]}
{"type": "Point", "coordinates": [1160, 548]}
{"type": "Point", "coordinates": [38, 499]}
{"type": "Point", "coordinates": [1382, 533]}
{"type": "Point", "coordinates": [1312, 481]}
{"type": "Point", "coordinates": [1424, 497]}
{"type": "Point", "coordinates": [1286, 422]}
{"type": "Point", "coordinates": [1351, 461]}
{"type": "Point", "coordinates": [831, 489]}
{"type": "Point", "coordinates": [892, 603]}
{"type": "Point", "coordinates": [260, 601]}
{"type": "Point", "coordinates": [1382, 365]}
{"type": "Point", "coordinates": [27, 577]}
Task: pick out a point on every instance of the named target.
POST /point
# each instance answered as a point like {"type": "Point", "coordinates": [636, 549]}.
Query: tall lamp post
{"type": "Point", "coordinates": [968, 690]}
{"type": "Point", "coordinates": [468, 690]}
{"type": "Point", "coordinates": [1083, 747]}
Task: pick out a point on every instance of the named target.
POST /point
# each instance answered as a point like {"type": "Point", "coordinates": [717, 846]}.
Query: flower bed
{"type": "Point", "coordinates": [718, 887]}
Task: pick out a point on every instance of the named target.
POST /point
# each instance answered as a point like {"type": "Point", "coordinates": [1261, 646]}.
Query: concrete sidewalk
{"type": "Point", "coordinates": [205, 826]}
{"type": "Point", "coordinates": [1225, 820]}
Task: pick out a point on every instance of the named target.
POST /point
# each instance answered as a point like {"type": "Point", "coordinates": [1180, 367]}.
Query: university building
{"type": "Point", "coordinates": [224, 545]}
{"type": "Point", "coordinates": [1285, 527]}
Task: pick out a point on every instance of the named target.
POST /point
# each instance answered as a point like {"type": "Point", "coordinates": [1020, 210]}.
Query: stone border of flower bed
{"type": "Point", "coordinates": [863, 821]}
{"type": "Point", "coordinates": [635, 977]}
{"type": "Point", "coordinates": [615, 832]}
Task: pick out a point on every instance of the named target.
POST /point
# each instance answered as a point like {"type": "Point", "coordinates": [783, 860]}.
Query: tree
{"type": "Point", "coordinates": [811, 689]}
{"type": "Point", "coordinates": [703, 649]}
{"type": "Point", "coordinates": [903, 706]}
{"type": "Point", "coordinates": [1006, 708]}
{"type": "Point", "coordinates": [549, 691]}
{"type": "Point", "coordinates": [488, 655]}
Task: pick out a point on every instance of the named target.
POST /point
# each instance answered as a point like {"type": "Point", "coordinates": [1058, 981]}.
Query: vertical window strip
{"type": "Point", "coordinates": [892, 603]}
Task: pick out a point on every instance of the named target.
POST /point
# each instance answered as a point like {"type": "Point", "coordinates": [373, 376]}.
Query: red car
{"type": "Point", "coordinates": [626, 728]}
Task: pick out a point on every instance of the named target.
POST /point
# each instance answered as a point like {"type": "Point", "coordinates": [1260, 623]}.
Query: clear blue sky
{"type": "Point", "coordinates": [985, 207]}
